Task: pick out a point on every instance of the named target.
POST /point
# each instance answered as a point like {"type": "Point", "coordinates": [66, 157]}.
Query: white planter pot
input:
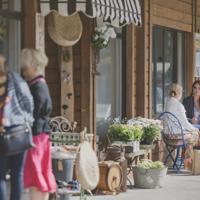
{"type": "Point", "coordinates": [149, 178]}
{"type": "Point", "coordinates": [135, 145]}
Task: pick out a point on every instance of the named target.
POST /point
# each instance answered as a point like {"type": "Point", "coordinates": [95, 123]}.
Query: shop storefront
{"type": "Point", "coordinates": [153, 46]}
{"type": "Point", "coordinates": [128, 78]}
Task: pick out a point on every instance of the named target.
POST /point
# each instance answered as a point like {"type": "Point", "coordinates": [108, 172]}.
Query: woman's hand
{"type": "Point", "coordinates": [194, 120]}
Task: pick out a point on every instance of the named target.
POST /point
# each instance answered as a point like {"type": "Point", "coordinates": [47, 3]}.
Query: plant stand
{"type": "Point", "coordinates": [148, 148]}
{"type": "Point", "coordinates": [132, 159]}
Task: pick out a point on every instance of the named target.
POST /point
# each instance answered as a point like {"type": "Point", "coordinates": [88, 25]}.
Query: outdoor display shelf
{"type": "Point", "coordinates": [63, 167]}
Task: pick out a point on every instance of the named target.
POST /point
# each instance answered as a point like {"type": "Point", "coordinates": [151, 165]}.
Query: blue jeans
{"type": "Point", "coordinates": [15, 165]}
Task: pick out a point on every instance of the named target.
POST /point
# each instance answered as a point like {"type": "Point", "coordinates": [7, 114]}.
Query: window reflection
{"type": "Point", "coordinates": [109, 86]}
{"type": "Point", "coordinates": [197, 45]}
{"type": "Point", "coordinates": [168, 64]}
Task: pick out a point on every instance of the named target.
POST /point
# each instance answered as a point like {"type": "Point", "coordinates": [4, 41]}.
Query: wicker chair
{"type": "Point", "coordinates": [173, 137]}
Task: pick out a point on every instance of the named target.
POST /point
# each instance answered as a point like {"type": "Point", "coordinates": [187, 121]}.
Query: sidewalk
{"type": "Point", "coordinates": [177, 187]}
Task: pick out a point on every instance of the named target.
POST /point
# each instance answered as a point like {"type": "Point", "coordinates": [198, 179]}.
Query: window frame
{"type": "Point", "coordinates": [120, 36]}
{"type": "Point", "coordinates": [175, 62]}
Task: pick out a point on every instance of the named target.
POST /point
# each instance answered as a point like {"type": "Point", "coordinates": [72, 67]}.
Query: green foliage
{"type": "Point", "coordinates": [149, 164]}
{"type": "Point", "coordinates": [151, 133]}
{"type": "Point", "coordinates": [99, 43]}
{"type": "Point", "coordinates": [123, 132]}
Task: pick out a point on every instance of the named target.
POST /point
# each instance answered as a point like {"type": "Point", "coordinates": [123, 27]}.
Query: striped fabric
{"type": "Point", "coordinates": [121, 11]}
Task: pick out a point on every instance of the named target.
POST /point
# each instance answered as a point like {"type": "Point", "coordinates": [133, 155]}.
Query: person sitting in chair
{"type": "Point", "coordinates": [174, 106]}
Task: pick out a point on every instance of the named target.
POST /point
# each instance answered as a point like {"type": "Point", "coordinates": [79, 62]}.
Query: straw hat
{"type": "Point", "coordinates": [64, 30]}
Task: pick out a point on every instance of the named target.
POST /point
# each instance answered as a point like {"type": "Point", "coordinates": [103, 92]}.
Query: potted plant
{"type": "Point", "coordinates": [149, 175]}
{"type": "Point", "coordinates": [124, 133]}
{"type": "Point", "coordinates": [151, 133]}
{"type": "Point", "coordinates": [138, 133]}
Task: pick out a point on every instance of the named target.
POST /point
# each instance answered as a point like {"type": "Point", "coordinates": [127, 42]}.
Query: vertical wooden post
{"type": "Point", "coordinates": [86, 76]}
{"type": "Point", "coordinates": [84, 82]}
{"type": "Point", "coordinates": [143, 62]}
{"type": "Point", "coordinates": [67, 86]}
{"type": "Point", "coordinates": [130, 71]}
{"type": "Point", "coordinates": [190, 60]}
{"type": "Point", "coordinates": [29, 23]}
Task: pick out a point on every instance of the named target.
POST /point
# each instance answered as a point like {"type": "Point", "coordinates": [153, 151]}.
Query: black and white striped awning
{"type": "Point", "coordinates": [122, 11]}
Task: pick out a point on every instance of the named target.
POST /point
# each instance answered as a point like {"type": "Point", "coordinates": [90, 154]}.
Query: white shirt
{"type": "Point", "coordinates": [176, 107]}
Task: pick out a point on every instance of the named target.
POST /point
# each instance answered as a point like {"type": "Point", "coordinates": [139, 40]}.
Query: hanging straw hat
{"type": "Point", "coordinates": [64, 30]}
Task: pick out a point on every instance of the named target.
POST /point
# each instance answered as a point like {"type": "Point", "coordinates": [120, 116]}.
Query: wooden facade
{"type": "Point", "coordinates": [183, 15]}
{"type": "Point", "coordinates": [175, 14]}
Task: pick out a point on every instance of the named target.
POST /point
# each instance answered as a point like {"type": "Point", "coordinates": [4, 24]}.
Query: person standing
{"type": "Point", "coordinates": [16, 109]}
{"type": "Point", "coordinates": [38, 176]}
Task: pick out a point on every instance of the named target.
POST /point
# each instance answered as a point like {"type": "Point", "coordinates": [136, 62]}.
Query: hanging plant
{"type": "Point", "coordinates": [102, 36]}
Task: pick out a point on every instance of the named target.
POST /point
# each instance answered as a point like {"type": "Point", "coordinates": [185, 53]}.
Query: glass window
{"type": "Point", "coordinates": [168, 64]}
{"type": "Point", "coordinates": [11, 5]}
{"type": "Point", "coordinates": [197, 47]}
{"type": "Point", "coordinates": [109, 85]}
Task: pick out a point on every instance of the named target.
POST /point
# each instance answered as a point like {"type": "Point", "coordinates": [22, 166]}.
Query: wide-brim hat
{"type": "Point", "coordinates": [64, 30]}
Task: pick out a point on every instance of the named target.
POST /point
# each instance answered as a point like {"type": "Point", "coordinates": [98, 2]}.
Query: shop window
{"type": "Point", "coordinates": [10, 5]}
{"type": "Point", "coordinates": [10, 32]}
{"type": "Point", "coordinates": [109, 94]}
{"type": "Point", "coordinates": [197, 57]}
{"type": "Point", "coordinates": [168, 64]}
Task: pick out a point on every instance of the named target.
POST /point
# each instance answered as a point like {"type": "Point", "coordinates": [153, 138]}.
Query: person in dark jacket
{"type": "Point", "coordinates": [192, 104]}
{"type": "Point", "coordinates": [16, 108]}
{"type": "Point", "coordinates": [38, 174]}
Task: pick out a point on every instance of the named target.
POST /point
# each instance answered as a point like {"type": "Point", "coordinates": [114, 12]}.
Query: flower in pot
{"type": "Point", "coordinates": [131, 135]}
{"type": "Point", "coordinates": [125, 133]}
{"type": "Point", "coordinates": [121, 132]}
{"type": "Point", "coordinates": [149, 174]}
{"type": "Point", "coordinates": [151, 133]}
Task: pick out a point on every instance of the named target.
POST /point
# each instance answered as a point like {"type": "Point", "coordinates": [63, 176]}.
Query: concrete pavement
{"type": "Point", "coordinates": [177, 187]}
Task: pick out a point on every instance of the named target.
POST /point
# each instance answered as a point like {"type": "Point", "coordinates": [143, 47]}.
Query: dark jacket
{"type": "Point", "coordinates": [42, 106]}
{"type": "Point", "coordinates": [188, 103]}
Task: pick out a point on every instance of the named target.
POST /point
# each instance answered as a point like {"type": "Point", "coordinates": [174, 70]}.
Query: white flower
{"type": "Point", "coordinates": [96, 37]}
{"type": "Point", "coordinates": [103, 29]}
{"type": "Point", "coordinates": [111, 32]}
{"type": "Point", "coordinates": [105, 42]}
{"type": "Point", "coordinates": [106, 36]}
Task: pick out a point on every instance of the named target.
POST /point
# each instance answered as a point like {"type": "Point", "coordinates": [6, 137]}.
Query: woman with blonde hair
{"type": "Point", "coordinates": [174, 106]}
{"type": "Point", "coordinates": [16, 109]}
{"type": "Point", "coordinates": [38, 176]}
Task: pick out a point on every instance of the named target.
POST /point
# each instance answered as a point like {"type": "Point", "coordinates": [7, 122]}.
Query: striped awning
{"type": "Point", "coordinates": [112, 11]}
